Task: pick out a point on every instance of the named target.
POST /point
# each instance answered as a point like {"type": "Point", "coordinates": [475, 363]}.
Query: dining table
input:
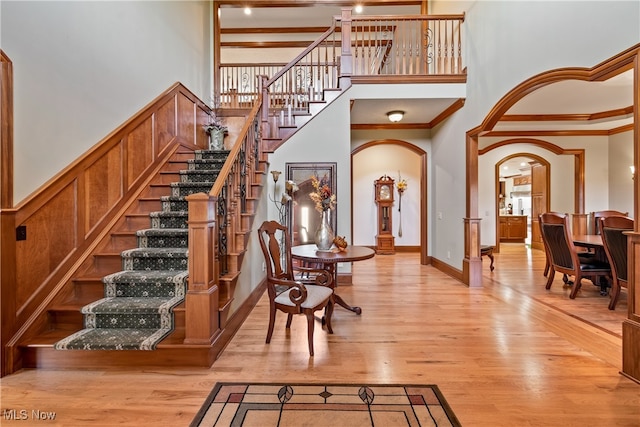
{"type": "Point", "coordinates": [328, 260]}
{"type": "Point", "coordinates": [591, 241]}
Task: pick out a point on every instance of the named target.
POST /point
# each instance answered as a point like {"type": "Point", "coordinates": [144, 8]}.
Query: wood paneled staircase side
{"type": "Point", "coordinates": [64, 317]}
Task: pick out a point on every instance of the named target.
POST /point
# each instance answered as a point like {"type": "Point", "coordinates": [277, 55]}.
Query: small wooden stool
{"type": "Point", "coordinates": [488, 251]}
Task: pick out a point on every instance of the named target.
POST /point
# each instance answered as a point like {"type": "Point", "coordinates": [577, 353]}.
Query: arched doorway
{"type": "Point", "coordinates": [392, 165]}
{"type": "Point", "coordinates": [625, 61]}
{"type": "Point", "coordinates": [523, 191]}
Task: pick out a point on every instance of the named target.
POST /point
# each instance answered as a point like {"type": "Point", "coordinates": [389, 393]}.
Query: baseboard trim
{"type": "Point", "coordinates": [447, 269]}
{"type": "Point", "coordinates": [238, 317]}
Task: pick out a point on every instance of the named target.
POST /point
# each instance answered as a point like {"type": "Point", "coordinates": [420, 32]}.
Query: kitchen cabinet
{"type": "Point", "coordinates": [513, 228]}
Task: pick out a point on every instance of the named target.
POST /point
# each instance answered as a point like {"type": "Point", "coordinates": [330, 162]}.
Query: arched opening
{"type": "Point", "coordinates": [520, 179]}
{"type": "Point", "coordinates": [625, 61]}
{"type": "Point", "coordinates": [362, 192]}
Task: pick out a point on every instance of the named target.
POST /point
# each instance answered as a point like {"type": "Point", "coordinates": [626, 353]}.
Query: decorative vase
{"type": "Point", "coordinates": [216, 139]}
{"type": "Point", "coordinates": [324, 234]}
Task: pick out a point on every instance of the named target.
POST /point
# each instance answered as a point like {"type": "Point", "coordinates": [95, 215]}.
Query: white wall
{"type": "Point", "coordinates": [620, 182]}
{"type": "Point", "coordinates": [325, 138]}
{"type": "Point", "coordinates": [507, 42]}
{"type": "Point", "coordinates": [368, 166]}
{"type": "Point", "coordinates": [81, 68]}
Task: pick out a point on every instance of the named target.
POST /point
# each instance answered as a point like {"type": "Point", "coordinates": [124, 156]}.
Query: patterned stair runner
{"type": "Point", "coordinates": [137, 310]}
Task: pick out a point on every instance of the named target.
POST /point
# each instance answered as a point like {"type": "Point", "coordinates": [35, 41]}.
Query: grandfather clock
{"type": "Point", "coordinates": [384, 200]}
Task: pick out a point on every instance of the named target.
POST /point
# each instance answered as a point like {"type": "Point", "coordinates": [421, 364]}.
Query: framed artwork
{"type": "Point", "coordinates": [304, 219]}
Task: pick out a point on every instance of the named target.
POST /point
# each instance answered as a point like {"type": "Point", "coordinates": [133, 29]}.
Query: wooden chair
{"type": "Point", "coordinates": [285, 286]}
{"type": "Point", "coordinates": [487, 250]}
{"type": "Point", "coordinates": [615, 245]}
{"type": "Point", "coordinates": [562, 254]}
{"type": "Point", "coordinates": [595, 218]}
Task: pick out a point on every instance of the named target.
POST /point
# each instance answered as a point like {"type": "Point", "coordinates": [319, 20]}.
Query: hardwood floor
{"type": "Point", "coordinates": [508, 354]}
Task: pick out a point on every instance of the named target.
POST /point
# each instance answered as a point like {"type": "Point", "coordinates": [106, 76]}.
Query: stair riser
{"type": "Point", "coordinates": [214, 155]}
{"type": "Point", "coordinates": [133, 320]}
{"type": "Point", "coordinates": [213, 165]}
{"type": "Point", "coordinates": [148, 205]}
{"type": "Point", "coordinates": [170, 222]}
{"type": "Point", "coordinates": [140, 290]}
{"type": "Point", "coordinates": [177, 166]}
{"type": "Point", "coordinates": [88, 290]}
{"type": "Point", "coordinates": [121, 242]}
{"type": "Point", "coordinates": [106, 264]}
{"type": "Point", "coordinates": [66, 320]}
{"type": "Point", "coordinates": [152, 263]}
{"type": "Point", "coordinates": [251, 205]}
{"type": "Point", "coordinates": [174, 205]}
{"type": "Point", "coordinates": [163, 242]}
{"type": "Point", "coordinates": [134, 223]}
{"type": "Point", "coordinates": [198, 176]}
{"type": "Point", "coordinates": [182, 190]}
{"type": "Point", "coordinates": [159, 190]}
{"type": "Point", "coordinates": [169, 177]}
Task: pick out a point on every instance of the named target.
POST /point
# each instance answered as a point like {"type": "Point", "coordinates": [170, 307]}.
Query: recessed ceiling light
{"type": "Point", "coordinates": [247, 11]}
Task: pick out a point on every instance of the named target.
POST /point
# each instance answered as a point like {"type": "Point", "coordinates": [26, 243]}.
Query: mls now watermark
{"type": "Point", "coordinates": [25, 414]}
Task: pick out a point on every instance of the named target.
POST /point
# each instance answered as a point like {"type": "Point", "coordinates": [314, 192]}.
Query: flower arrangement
{"type": "Point", "coordinates": [214, 126]}
{"type": "Point", "coordinates": [322, 196]}
{"type": "Point", "coordinates": [401, 186]}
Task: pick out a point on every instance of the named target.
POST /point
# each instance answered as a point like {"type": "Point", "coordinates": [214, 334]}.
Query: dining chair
{"type": "Point", "coordinates": [614, 240]}
{"type": "Point", "coordinates": [582, 256]}
{"type": "Point", "coordinates": [563, 257]}
{"type": "Point", "coordinates": [293, 289]}
{"type": "Point", "coordinates": [595, 218]}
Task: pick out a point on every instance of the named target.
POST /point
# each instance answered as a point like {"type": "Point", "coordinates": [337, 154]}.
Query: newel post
{"type": "Point", "coordinates": [631, 325]}
{"type": "Point", "coordinates": [264, 110]}
{"type": "Point", "coordinates": [201, 319]}
{"type": "Point", "coordinates": [472, 263]}
{"type": "Point", "coordinates": [346, 58]}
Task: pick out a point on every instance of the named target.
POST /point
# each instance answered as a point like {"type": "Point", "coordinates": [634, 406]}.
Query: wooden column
{"type": "Point", "coordinates": [6, 131]}
{"type": "Point", "coordinates": [7, 216]}
{"type": "Point", "coordinates": [579, 224]}
{"type": "Point", "coordinates": [201, 324]}
{"type": "Point", "coordinates": [631, 326]}
{"type": "Point", "coordinates": [472, 263]}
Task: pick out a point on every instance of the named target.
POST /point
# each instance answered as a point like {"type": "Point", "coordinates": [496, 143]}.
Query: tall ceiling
{"type": "Point", "coordinates": [563, 106]}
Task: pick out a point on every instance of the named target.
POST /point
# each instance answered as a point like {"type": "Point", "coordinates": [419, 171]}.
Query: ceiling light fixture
{"type": "Point", "coordinates": [395, 116]}
{"type": "Point", "coordinates": [247, 11]}
{"type": "Point", "coordinates": [358, 8]}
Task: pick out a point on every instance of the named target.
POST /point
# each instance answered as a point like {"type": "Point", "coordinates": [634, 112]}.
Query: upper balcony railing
{"type": "Point", "coordinates": [410, 48]}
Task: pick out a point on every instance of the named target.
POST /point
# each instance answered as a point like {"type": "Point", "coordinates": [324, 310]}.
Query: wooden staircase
{"type": "Point", "coordinates": [64, 317]}
{"type": "Point", "coordinates": [60, 315]}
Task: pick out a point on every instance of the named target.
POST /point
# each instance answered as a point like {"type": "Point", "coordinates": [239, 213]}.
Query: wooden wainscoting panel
{"type": "Point", "coordinates": [165, 124]}
{"type": "Point", "coordinates": [140, 153]}
{"type": "Point", "coordinates": [103, 187]}
{"type": "Point", "coordinates": [51, 237]}
{"type": "Point", "coordinates": [202, 118]}
{"type": "Point", "coordinates": [186, 118]}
